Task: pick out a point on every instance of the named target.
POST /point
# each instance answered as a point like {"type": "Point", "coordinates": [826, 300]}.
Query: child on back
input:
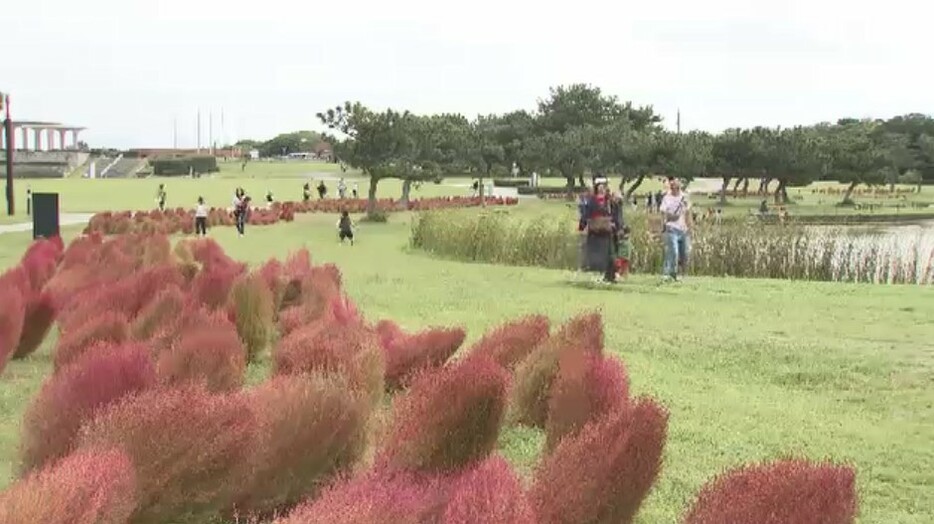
{"type": "Point", "coordinates": [345, 227]}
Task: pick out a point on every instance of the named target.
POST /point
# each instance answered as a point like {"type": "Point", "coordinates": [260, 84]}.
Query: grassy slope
{"type": "Point", "coordinates": [750, 369]}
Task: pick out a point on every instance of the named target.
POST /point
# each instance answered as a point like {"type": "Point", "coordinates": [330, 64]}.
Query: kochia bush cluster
{"type": "Point", "coordinates": [146, 417]}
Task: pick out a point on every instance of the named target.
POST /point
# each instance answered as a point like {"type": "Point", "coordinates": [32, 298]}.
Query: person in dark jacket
{"type": "Point", "coordinates": [600, 221]}
{"type": "Point", "coordinates": [345, 227]}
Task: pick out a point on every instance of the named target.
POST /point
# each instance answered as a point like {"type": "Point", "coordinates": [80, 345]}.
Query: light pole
{"type": "Point", "coordinates": [10, 142]}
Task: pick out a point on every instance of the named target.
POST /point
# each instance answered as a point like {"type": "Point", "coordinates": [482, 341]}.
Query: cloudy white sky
{"type": "Point", "coordinates": [128, 69]}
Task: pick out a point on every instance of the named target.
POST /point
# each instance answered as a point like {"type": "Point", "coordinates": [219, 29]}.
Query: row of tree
{"type": "Point", "coordinates": [286, 143]}
{"type": "Point", "coordinates": [578, 131]}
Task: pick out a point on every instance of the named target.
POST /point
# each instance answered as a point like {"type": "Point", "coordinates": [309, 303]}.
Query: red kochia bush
{"type": "Point", "coordinates": [208, 355]}
{"type": "Point", "coordinates": [211, 286]}
{"type": "Point", "coordinates": [323, 347]}
{"type": "Point", "coordinates": [489, 493]}
{"type": "Point", "coordinates": [536, 373]}
{"type": "Point", "coordinates": [189, 447]}
{"type": "Point", "coordinates": [128, 295]}
{"type": "Point", "coordinates": [40, 262]}
{"type": "Point", "coordinates": [587, 387]}
{"type": "Point", "coordinates": [376, 497]}
{"type": "Point", "coordinates": [12, 314]}
{"type": "Point", "coordinates": [271, 274]}
{"type": "Point", "coordinates": [194, 317]}
{"type": "Point", "coordinates": [252, 309]}
{"type": "Point", "coordinates": [73, 396]}
{"type": "Point", "coordinates": [602, 474]}
{"type": "Point", "coordinates": [310, 429]}
{"type": "Point", "coordinates": [159, 314]}
{"type": "Point", "coordinates": [108, 327]}
{"type": "Point", "coordinates": [91, 487]}
{"type": "Point", "coordinates": [792, 490]}
{"type": "Point", "coordinates": [512, 342]}
{"type": "Point", "coordinates": [407, 354]}
{"type": "Point", "coordinates": [40, 315]}
{"type": "Point", "coordinates": [449, 418]}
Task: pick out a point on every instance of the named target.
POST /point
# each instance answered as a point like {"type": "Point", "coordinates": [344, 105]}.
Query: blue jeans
{"type": "Point", "coordinates": [677, 247]}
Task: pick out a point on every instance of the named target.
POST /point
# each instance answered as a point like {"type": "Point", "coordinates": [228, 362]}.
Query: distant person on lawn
{"type": "Point", "coordinates": [345, 227]}
{"type": "Point", "coordinates": [322, 190]}
{"type": "Point", "coordinates": [201, 218]}
{"type": "Point", "coordinates": [306, 192]}
{"type": "Point", "coordinates": [675, 209]}
{"type": "Point", "coordinates": [160, 197]}
{"type": "Point", "coordinates": [341, 189]}
{"type": "Point", "coordinates": [240, 205]}
{"type": "Point", "coordinates": [356, 191]}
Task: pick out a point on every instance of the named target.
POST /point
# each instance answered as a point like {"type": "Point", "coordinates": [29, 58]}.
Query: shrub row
{"type": "Point", "coordinates": [144, 419]}
{"type": "Point", "coordinates": [166, 166]}
{"type": "Point", "coordinates": [180, 220]}
{"type": "Point", "coordinates": [729, 249]}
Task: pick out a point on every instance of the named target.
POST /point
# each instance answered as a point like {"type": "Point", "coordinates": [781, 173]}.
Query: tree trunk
{"type": "Point", "coordinates": [781, 196]}
{"type": "Point", "coordinates": [745, 187]}
{"type": "Point", "coordinates": [635, 185]}
{"type": "Point", "coordinates": [723, 188]}
{"type": "Point", "coordinates": [406, 192]}
{"type": "Point", "coordinates": [371, 196]}
{"type": "Point", "coordinates": [849, 192]}
{"type": "Point", "coordinates": [580, 178]}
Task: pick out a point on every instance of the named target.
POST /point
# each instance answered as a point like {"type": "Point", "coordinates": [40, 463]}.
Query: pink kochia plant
{"type": "Point", "coordinates": [89, 487]}
{"type": "Point", "coordinates": [407, 354]}
{"type": "Point", "coordinates": [73, 396]}
{"type": "Point", "coordinates": [791, 490]}
{"type": "Point", "coordinates": [448, 419]}
{"type": "Point", "coordinates": [603, 473]}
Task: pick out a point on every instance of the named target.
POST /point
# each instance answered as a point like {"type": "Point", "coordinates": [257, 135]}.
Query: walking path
{"type": "Point", "coordinates": [65, 219]}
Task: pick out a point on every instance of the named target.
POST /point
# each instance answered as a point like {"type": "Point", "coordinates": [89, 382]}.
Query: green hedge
{"type": "Point", "coordinates": [511, 182]}
{"type": "Point", "coordinates": [550, 190]}
{"type": "Point", "coordinates": [182, 165]}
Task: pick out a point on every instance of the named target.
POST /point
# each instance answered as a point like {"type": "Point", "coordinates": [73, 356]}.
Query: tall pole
{"type": "Point", "coordinates": [679, 121]}
{"type": "Point", "coordinates": [211, 132]}
{"type": "Point", "coordinates": [223, 136]}
{"type": "Point", "coordinates": [10, 142]}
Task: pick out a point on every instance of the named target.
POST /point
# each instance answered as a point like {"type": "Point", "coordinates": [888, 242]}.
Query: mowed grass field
{"type": "Point", "coordinates": [750, 369]}
{"type": "Point", "coordinates": [285, 180]}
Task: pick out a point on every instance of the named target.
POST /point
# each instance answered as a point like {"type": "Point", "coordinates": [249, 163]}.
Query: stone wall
{"type": "Point", "coordinates": [45, 164]}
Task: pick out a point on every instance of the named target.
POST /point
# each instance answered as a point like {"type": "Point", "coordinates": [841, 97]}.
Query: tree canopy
{"type": "Point", "coordinates": [578, 131]}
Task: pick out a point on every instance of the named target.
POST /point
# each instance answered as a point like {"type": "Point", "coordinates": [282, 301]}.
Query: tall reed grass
{"type": "Point", "coordinates": [902, 255]}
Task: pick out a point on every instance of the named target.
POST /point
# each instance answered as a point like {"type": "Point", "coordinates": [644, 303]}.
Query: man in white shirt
{"type": "Point", "coordinates": [675, 208]}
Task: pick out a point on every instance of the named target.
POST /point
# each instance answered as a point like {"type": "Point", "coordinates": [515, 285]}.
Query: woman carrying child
{"type": "Point", "coordinates": [600, 220]}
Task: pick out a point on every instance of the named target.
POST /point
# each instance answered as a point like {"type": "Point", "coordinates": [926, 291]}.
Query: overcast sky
{"type": "Point", "coordinates": [127, 69]}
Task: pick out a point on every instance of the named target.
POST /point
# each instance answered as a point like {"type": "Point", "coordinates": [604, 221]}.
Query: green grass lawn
{"type": "Point", "coordinates": [285, 180]}
{"type": "Point", "coordinates": [750, 369]}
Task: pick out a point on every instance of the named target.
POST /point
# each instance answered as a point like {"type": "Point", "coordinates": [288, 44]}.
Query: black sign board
{"type": "Point", "coordinates": [45, 221]}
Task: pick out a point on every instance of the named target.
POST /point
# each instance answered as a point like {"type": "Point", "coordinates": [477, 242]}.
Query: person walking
{"type": "Point", "coordinates": [599, 222]}
{"type": "Point", "coordinates": [356, 191]}
{"type": "Point", "coordinates": [240, 202]}
{"type": "Point", "coordinates": [345, 227]}
{"type": "Point", "coordinates": [161, 197]}
{"type": "Point", "coordinates": [341, 189]}
{"type": "Point", "coordinates": [322, 190]}
{"type": "Point", "coordinates": [675, 209]}
{"type": "Point", "coordinates": [201, 218]}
